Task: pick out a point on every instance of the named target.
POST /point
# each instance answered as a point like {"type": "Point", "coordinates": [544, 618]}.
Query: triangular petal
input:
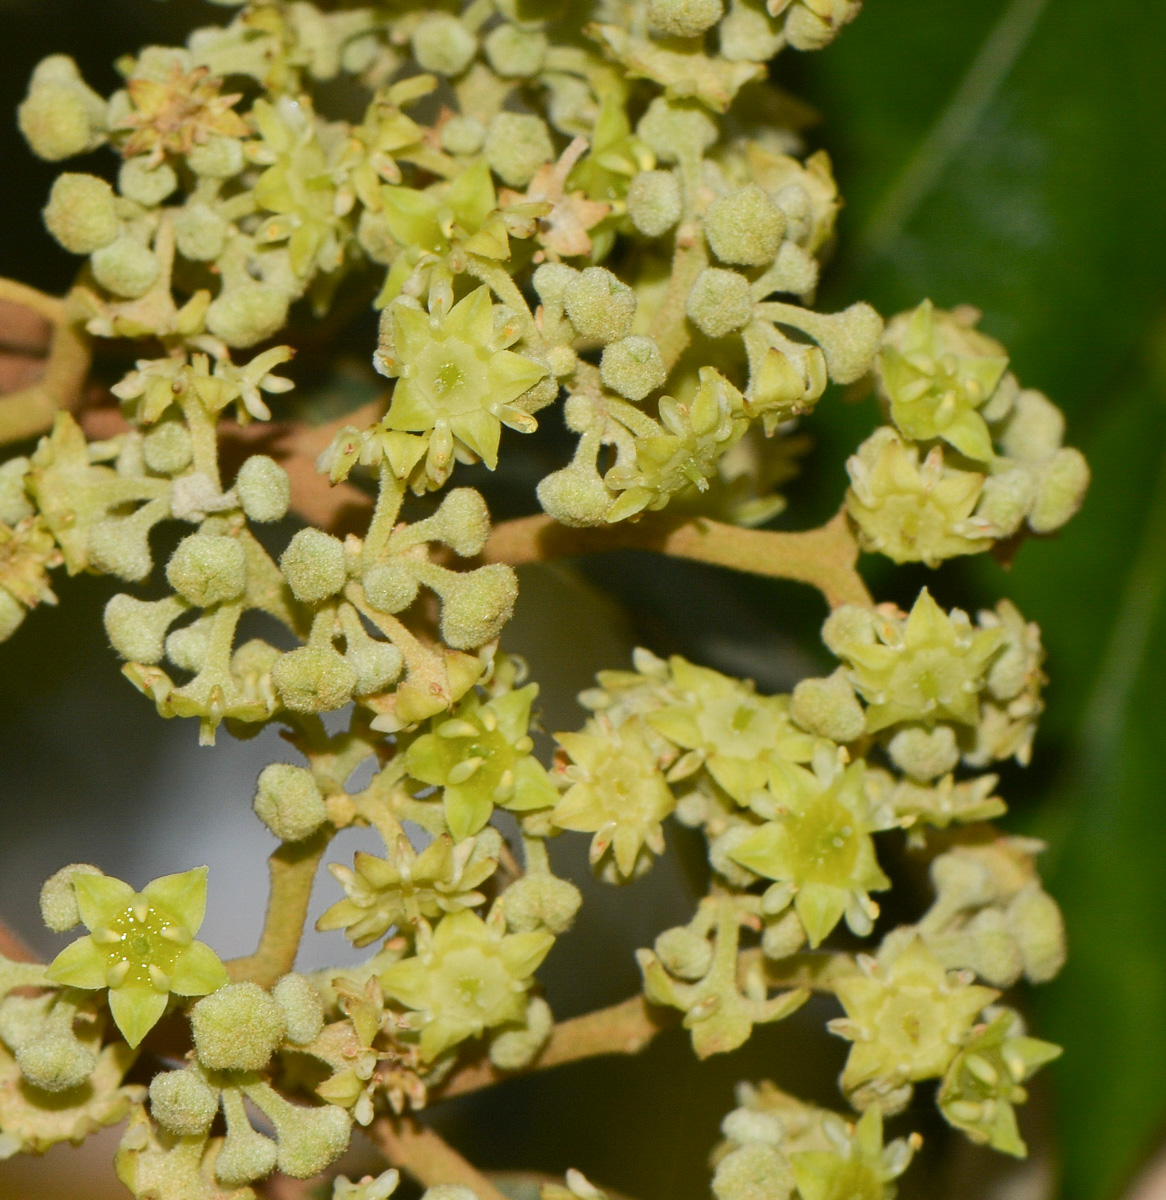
{"type": "Point", "coordinates": [81, 965]}
{"type": "Point", "coordinates": [182, 895]}
{"type": "Point", "coordinates": [197, 971]}
{"type": "Point", "coordinates": [100, 898]}
{"type": "Point", "coordinates": [136, 1010]}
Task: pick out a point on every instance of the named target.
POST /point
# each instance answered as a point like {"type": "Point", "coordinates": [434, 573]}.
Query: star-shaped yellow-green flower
{"type": "Point", "coordinates": [455, 377]}
{"type": "Point", "coordinates": [818, 848]}
{"type": "Point", "coordinates": [469, 976]}
{"type": "Point", "coordinates": [141, 946]}
{"type": "Point", "coordinates": [930, 668]}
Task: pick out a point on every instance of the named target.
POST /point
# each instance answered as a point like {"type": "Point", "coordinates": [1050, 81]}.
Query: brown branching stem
{"type": "Point", "coordinates": [624, 1028]}
{"type": "Point", "coordinates": [30, 410]}
{"type": "Point", "coordinates": [427, 1157]}
{"type": "Point", "coordinates": [825, 557]}
{"type": "Point", "coordinates": [293, 870]}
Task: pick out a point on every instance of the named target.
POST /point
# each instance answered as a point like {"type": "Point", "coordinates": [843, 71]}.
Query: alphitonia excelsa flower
{"type": "Point", "coordinates": [607, 203]}
{"type": "Point", "coordinates": [140, 946]}
{"type": "Point", "coordinates": [468, 975]}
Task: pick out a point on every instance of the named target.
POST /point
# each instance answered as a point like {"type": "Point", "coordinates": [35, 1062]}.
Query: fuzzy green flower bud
{"type": "Point", "coordinates": [516, 145]}
{"type": "Point", "coordinates": [1034, 429]}
{"type": "Point", "coordinates": [391, 587]}
{"type": "Point", "coordinates": [200, 234]}
{"type": "Point", "coordinates": [1062, 488]}
{"type": "Point", "coordinates": [208, 569]}
{"type": "Point", "coordinates": [462, 522]}
{"type": "Point", "coordinates": [684, 18]}
{"type": "Point", "coordinates": [684, 952]}
{"type": "Point", "coordinates": [263, 488]}
{"type": "Point", "coordinates": [314, 679]}
{"type": "Point", "coordinates": [167, 448]}
{"type": "Point", "coordinates": [61, 116]}
{"type": "Point", "coordinates": [475, 605]}
{"type": "Point", "coordinates": [310, 1139]}
{"type": "Point", "coordinates": [313, 565]}
{"type": "Point", "coordinates": [302, 1008]}
{"type": "Point", "coordinates": [516, 1049]}
{"type": "Point", "coordinates": [551, 281]}
{"type": "Point", "coordinates": [245, 1155]}
{"type": "Point", "coordinates": [462, 135]}
{"type": "Point", "coordinates": [217, 158]}
{"type": "Point", "coordinates": [745, 227]}
{"type": "Point", "coordinates": [80, 213]}
{"type": "Point", "coordinates": [288, 802]}
{"type": "Point", "coordinates": [443, 45]}
{"type": "Point", "coordinates": [922, 753]}
{"type": "Point", "coordinates": [829, 708]}
{"type": "Point", "coordinates": [55, 1061]}
{"type": "Point", "coordinates": [633, 367]}
{"type": "Point", "coordinates": [125, 267]}
{"type": "Point", "coordinates": [145, 183]}
{"type": "Point", "coordinates": [514, 52]}
{"type": "Point", "coordinates": [541, 901]}
{"type": "Point", "coordinates": [58, 900]}
{"type": "Point", "coordinates": [247, 314]}
{"type": "Point", "coordinates": [121, 545]}
{"type": "Point", "coordinates": [677, 129]}
{"type": "Point", "coordinates": [654, 202]}
{"type": "Point", "coordinates": [719, 302]}
{"type": "Point", "coordinates": [183, 1103]}
{"type": "Point", "coordinates": [137, 628]}
{"type": "Point", "coordinates": [237, 1028]}
{"type": "Point", "coordinates": [599, 306]}
{"type": "Point", "coordinates": [756, 1171]}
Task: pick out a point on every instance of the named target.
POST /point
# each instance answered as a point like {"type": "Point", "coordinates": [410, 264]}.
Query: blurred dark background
{"type": "Point", "coordinates": [1010, 155]}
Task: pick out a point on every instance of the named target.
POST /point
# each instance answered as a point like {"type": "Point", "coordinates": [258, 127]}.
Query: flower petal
{"type": "Point", "coordinates": [183, 896]}
{"type": "Point", "coordinates": [197, 971]}
{"type": "Point", "coordinates": [100, 898]}
{"type": "Point", "coordinates": [81, 965]}
{"type": "Point", "coordinates": [136, 1010]}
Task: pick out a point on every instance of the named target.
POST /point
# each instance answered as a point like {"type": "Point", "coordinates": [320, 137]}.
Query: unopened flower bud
{"type": "Point", "coordinates": [745, 1125]}
{"type": "Point", "coordinates": [514, 52]}
{"type": "Point", "coordinates": [1035, 428]}
{"type": "Point", "coordinates": [654, 202]}
{"type": "Point", "coordinates": [685, 953]}
{"type": "Point", "coordinates": [684, 18]}
{"type": "Point", "coordinates": [924, 754]}
{"type": "Point", "coordinates": [1006, 500]}
{"type": "Point", "coordinates": [745, 227]}
{"type": "Point", "coordinates": [237, 1028]}
{"type": "Point", "coordinates": [755, 1171]}
{"type": "Point", "coordinates": [551, 281]}
{"type": "Point", "coordinates": [390, 587]}
{"type": "Point", "coordinates": [147, 185]}
{"type": "Point", "coordinates": [462, 522]}
{"type": "Point", "coordinates": [313, 679]}
{"type": "Point", "coordinates": [443, 45]}
{"type": "Point", "coordinates": [55, 1061]}
{"type": "Point", "coordinates": [137, 628]}
{"type": "Point", "coordinates": [199, 232]}
{"type": "Point", "coordinates": [167, 448]}
{"type": "Point", "coordinates": [208, 569]}
{"type": "Point", "coordinates": [302, 1008]}
{"type": "Point", "coordinates": [676, 129]}
{"type": "Point", "coordinates": [183, 1103]}
{"type": "Point", "coordinates": [61, 116]}
{"type": "Point", "coordinates": [514, 1049]}
{"type": "Point", "coordinates": [1036, 922]}
{"type": "Point", "coordinates": [633, 367]}
{"type": "Point", "coordinates": [828, 707]}
{"type": "Point", "coordinates": [462, 135]}
{"type": "Point", "coordinates": [1063, 483]}
{"type": "Point", "coordinates": [247, 314]}
{"type": "Point", "coordinates": [849, 625]}
{"type": "Point", "coordinates": [263, 488]}
{"type": "Point", "coordinates": [80, 213]}
{"type": "Point", "coordinates": [541, 901]}
{"type": "Point", "coordinates": [313, 565]}
{"type": "Point", "coordinates": [288, 802]}
{"type": "Point", "coordinates": [476, 607]}
{"type": "Point", "coordinates": [599, 306]}
{"type": "Point", "coordinates": [58, 900]}
{"type": "Point", "coordinates": [14, 502]}
{"type": "Point", "coordinates": [217, 158]}
{"type": "Point", "coordinates": [575, 495]}
{"type": "Point", "coordinates": [719, 302]}
{"type": "Point", "coordinates": [516, 145]}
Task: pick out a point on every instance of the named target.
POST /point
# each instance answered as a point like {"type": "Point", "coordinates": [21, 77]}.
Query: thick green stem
{"type": "Point", "coordinates": [825, 557]}
{"type": "Point", "coordinates": [293, 870]}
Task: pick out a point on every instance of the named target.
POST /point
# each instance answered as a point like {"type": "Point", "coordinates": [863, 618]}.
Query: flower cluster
{"type": "Point", "coordinates": [604, 206]}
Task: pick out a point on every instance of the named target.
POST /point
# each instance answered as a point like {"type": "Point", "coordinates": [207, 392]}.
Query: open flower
{"type": "Point", "coordinates": [141, 946]}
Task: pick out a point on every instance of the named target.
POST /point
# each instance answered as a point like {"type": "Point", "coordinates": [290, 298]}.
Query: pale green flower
{"type": "Point", "coordinates": [481, 756]}
{"type": "Point", "coordinates": [617, 792]}
{"type": "Point", "coordinates": [818, 848]}
{"type": "Point", "coordinates": [467, 977]}
{"type": "Point", "coordinates": [930, 667]}
{"type": "Point", "coordinates": [456, 379]}
{"type": "Point", "coordinates": [141, 946]}
{"type": "Point", "coordinates": [857, 1166]}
